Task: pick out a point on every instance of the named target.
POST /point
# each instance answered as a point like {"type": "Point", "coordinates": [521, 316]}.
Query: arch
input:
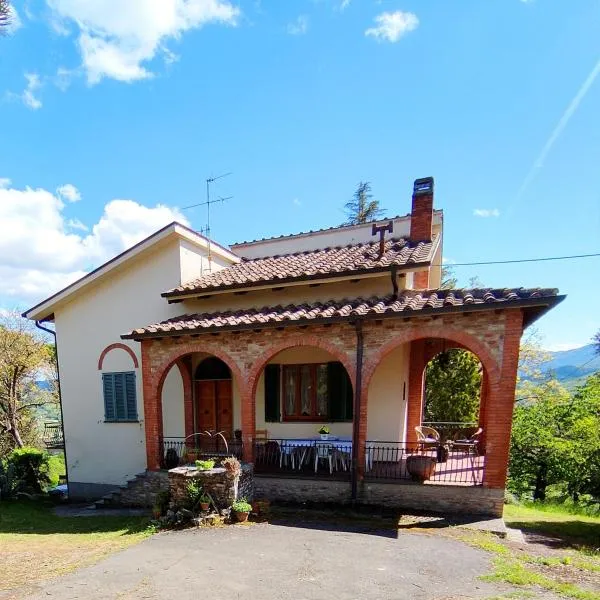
{"type": "Point", "coordinates": [182, 350]}
{"type": "Point", "coordinates": [308, 340]}
{"type": "Point", "coordinates": [116, 346]}
{"type": "Point", "coordinates": [464, 340]}
{"type": "Point", "coordinates": [212, 367]}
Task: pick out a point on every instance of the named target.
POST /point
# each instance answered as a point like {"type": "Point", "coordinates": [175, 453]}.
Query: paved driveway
{"type": "Point", "coordinates": [268, 562]}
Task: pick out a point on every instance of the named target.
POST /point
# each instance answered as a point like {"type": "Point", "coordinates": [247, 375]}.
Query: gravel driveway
{"type": "Point", "coordinates": [267, 562]}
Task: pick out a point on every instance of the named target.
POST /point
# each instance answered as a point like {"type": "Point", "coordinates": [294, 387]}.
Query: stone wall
{"type": "Point", "coordinates": [222, 485]}
{"type": "Point", "coordinates": [445, 499]}
{"type": "Point", "coordinates": [142, 490]}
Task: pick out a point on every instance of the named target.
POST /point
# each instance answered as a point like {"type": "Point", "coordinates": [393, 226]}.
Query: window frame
{"type": "Point", "coordinates": [298, 417]}
{"type": "Point", "coordinates": [116, 419]}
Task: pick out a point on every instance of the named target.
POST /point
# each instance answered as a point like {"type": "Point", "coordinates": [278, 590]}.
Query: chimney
{"type": "Point", "coordinates": [421, 217]}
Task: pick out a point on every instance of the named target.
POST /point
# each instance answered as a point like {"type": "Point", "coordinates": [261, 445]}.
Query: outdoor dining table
{"type": "Point", "coordinates": [343, 444]}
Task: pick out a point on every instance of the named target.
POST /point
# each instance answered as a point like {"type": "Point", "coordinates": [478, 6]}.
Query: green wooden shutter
{"type": "Point", "coordinates": [272, 393]}
{"type": "Point", "coordinates": [120, 403]}
{"type": "Point", "coordinates": [339, 387]}
{"type": "Point", "coordinates": [130, 397]}
{"type": "Point", "coordinates": [109, 396]}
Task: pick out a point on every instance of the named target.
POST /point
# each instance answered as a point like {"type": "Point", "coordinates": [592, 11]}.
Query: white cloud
{"type": "Point", "coordinates": [391, 26]}
{"type": "Point", "coordinates": [42, 253]}
{"type": "Point", "coordinates": [296, 202]}
{"type": "Point", "coordinates": [14, 21]}
{"type": "Point", "coordinates": [117, 39]}
{"type": "Point", "coordinates": [69, 192]}
{"type": "Point", "coordinates": [299, 26]}
{"type": "Point", "coordinates": [344, 4]}
{"type": "Point", "coordinates": [4, 182]}
{"type": "Point", "coordinates": [29, 94]}
{"type": "Point", "coordinates": [486, 212]}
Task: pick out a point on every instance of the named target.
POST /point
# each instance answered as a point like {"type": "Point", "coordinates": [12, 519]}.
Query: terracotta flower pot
{"type": "Point", "coordinates": [241, 517]}
{"type": "Point", "coordinates": [421, 468]}
{"type": "Point", "coordinates": [204, 506]}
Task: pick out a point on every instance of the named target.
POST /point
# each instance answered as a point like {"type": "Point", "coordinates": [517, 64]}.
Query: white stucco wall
{"type": "Point", "coordinates": [388, 394]}
{"type": "Point", "coordinates": [99, 452]}
{"type": "Point", "coordinates": [172, 405]}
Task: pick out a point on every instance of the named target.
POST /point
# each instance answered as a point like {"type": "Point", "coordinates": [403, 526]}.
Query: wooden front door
{"type": "Point", "coordinates": [214, 406]}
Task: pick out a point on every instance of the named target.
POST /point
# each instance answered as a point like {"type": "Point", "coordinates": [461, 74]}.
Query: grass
{"type": "Point", "coordinates": [563, 560]}
{"type": "Point", "coordinates": [35, 544]}
{"type": "Point", "coordinates": [572, 529]}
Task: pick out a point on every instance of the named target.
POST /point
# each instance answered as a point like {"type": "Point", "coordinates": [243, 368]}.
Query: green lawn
{"type": "Point", "coordinates": [35, 544]}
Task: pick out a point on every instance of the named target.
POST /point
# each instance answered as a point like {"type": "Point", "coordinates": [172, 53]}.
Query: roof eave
{"type": "Point", "coordinates": [542, 304]}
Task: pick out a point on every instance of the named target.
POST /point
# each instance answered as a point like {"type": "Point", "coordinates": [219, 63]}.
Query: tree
{"type": "Point", "coordinates": [24, 358]}
{"type": "Point", "coordinates": [449, 279]}
{"type": "Point", "coordinates": [362, 208]}
{"type": "Point", "coordinates": [5, 15]}
{"type": "Point", "coordinates": [452, 387]}
{"type": "Point", "coordinates": [596, 340]}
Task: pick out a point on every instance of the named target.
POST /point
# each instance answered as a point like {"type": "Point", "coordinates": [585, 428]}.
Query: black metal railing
{"type": "Point", "coordinates": [182, 451]}
{"type": "Point", "coordinates": [444, 463]}
{"type": "Point", "coordinates": [312, 458]}
{"type": "Point", "coordinates": [52, 436]}
{"type": "Point", "coordinates": [452, 430]}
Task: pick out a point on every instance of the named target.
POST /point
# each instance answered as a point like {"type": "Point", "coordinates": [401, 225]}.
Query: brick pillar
{"type": "Point", "coordinates": [248, 402]}
{"type": "Point", "coordinates": [483, 402]}
{"type": "Point", "coordinates": [421, 280]}
{"type": "Point", "coordinates": [152, 410]}
{"type": "Point", "coordinates": [188, 406]}
{"type": "Point", "coordinates": [361, 430]}
{"type": "Point", "coordinates": [416, 389]}
{"type": "Point", "coordinates": [500, 404]}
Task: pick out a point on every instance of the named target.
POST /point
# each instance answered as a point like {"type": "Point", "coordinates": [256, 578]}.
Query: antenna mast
{"type": "Point", "coordinates": [206, 229]}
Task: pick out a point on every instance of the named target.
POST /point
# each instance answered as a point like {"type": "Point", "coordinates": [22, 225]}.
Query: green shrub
{"type": "Point", "coordinates": [8, 481]}
{"type": "Point", "coordinates": [205, 465]}
{"type": "Point", "coordinates": [56, 468]}
{"type": "Point", "coordinates": [31, 469]}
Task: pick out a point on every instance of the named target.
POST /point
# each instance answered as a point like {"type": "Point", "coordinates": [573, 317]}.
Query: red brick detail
{"type": "Point", "coordinates": [483, 403]}
{"type": "Point", "coordinates": [416, 389]}
{"type": "Point", "coordinates": [152, 411]}
{"type": "Point", "coordinates": [421, 280]}
{"type": "Point", "coordinates": [188, 407]}
{"type": "Point", "coordinates": [421, 218]}
{"type": "Point", "coordinates": [500, 404]}
{"type": "Point", "coordinates": [116, 346]}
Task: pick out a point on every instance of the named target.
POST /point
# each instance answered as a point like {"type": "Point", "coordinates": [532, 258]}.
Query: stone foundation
{"type": "Point", "coordinates": [223, 486]}
{"type": "Point", "coordinates": [142, 490]}
{"type": "Point", "coordinates": [444, 499]}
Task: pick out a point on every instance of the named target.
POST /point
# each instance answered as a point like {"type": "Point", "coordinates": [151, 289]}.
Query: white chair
{"type": "Point", "coordinates": [324, 451]}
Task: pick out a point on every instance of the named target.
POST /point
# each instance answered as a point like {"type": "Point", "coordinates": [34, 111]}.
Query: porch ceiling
{"type": "Point", "coordinates": [410, 303]}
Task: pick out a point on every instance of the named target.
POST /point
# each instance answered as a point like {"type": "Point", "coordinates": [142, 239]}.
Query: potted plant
{"type": "Point", "coordinates": [205, 465]}
{"type": "Point", "coordinates": [324, 432]}
{"type": "Point", "coordinates": [204, 501]}
{"type": "Point", "coordinates": [420, 467]}
{"type": "Point", "coordinates": [241, 509]}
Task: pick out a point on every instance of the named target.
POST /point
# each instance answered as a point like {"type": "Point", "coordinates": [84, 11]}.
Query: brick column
{"type": "Point", "coordinates": [416, 389]}
{"type": "Point", "coordinates": [152, 410]}
{"type": "Point", "coordinates": [500, 404]}
{"type": "Point", "coordinates": [421, 280]}
{"type": "Point", "coordinates": [248, 402]}
{"type": "Point", "coordinates": [483, 403]}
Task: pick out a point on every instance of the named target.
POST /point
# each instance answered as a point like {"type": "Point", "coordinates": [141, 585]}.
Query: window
{"type": "Point", "coordinates": [307, 392]}
{"type": "Point", "coordinates": [120, 402]}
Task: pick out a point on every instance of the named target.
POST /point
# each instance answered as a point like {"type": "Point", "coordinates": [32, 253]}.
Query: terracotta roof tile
{"type": "Point", "coordinates": [409, 302]}
{"type": "Point", "coordinates": [311, 264]}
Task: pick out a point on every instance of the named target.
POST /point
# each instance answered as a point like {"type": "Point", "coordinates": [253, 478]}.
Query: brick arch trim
{"type": "Point", "coordinates": [296, 342]}
{"type": "Point", "coordinates": [179, 352]}
{"type": "Point", "coordinates": [461, 338]}
{"type": "Point", "coordinates": [119, 346]}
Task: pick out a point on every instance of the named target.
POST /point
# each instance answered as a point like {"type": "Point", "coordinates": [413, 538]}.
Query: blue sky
{"type": "Point", "coordinates": [114, 114]}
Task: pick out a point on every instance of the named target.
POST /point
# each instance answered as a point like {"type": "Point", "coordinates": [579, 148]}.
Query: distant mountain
{"type": "Point", "coordinates": [572, 367]}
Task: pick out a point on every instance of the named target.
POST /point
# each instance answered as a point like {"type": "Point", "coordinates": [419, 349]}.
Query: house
{"type": "Point", "coordinates": [269, 340]}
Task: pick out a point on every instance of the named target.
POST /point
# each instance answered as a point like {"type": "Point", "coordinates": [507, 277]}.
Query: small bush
{"type": "Point", "coordinates": [161, 503]}
{"type": "Point", "coordinates": [8, 481]}
{"type": "Point", "coordinates": [31, 469]}
{"type": "Point", "coordinates": [205, 465]}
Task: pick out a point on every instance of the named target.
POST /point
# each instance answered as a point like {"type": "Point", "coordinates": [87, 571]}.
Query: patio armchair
{"type": "Point", "coordinates": [427, 437]}
{"type": "Point", "coordinates": [324, 452]}
{"type": "Point", "coordinates": [469, 443]}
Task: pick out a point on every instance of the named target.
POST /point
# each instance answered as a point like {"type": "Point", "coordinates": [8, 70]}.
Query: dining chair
{"type": "Point", "coordinates": [324, 451]}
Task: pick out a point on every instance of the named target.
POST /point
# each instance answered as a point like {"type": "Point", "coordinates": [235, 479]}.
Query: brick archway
{"type": "Point", "coordinates": [154, 376]}
{"type": "Point", "coordinates": [117, 346]}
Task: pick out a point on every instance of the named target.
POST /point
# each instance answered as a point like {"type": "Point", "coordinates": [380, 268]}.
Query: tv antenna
{"type": "Point", "coordinates": [205, 231]}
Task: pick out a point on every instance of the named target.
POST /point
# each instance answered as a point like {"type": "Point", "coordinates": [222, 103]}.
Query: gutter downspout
{"type": "Point", "coordinates": [356, 411]}
{"type": "Point", "coordinates": [62, 419]}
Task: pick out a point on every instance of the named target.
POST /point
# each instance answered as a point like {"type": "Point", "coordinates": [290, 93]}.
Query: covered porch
{"type": "Point", "coordinates": [361, 378]}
